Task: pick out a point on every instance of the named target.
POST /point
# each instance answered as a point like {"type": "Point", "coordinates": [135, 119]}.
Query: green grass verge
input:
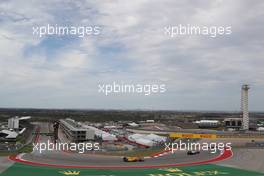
{"type": "Point", "coordinates": [201, 170]}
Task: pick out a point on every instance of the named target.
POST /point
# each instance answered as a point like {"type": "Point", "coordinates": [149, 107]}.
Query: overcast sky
{"type": "Point", "coordinates": [200, 72]}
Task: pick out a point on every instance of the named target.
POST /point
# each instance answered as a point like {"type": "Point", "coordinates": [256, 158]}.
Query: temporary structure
{"type": "Point", "coordinates": [146, 140]}
{"type": "Point", "coordinates": [100, 133]}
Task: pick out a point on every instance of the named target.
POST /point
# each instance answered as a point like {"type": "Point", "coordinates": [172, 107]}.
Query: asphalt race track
{"type": "Point", "coordinates": [58, 163]}
{"type": "Point", "coordinates": [64, 159]}
{"type": "Point", "coordinates": [89, 161]}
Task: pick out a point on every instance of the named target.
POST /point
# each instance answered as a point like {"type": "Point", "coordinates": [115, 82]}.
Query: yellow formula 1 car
{"type": "Point", "coordinates": [133, 159]}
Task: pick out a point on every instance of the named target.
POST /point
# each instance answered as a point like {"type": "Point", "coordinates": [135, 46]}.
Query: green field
{"type": "Point", "coordinates": [202, 170]}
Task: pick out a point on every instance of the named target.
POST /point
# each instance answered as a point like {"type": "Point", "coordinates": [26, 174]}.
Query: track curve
{"type": "Point", "coordinates": [225, 155]}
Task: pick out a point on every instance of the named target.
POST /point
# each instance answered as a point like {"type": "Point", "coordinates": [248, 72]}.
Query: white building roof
{"type": "Point", "coordinates": [209, 121]}
{"type": "Point", "coordinates": [25, 118]}
{"type": "Point", "coordinates": [10, 134]}
{"type": "Point", "coordinates": [105, 136]}
{"type": "Point", "coordinates": [148, 140]}
{"type": "Point", "coordinates": [260, 129]}
{"type": "Point", "coordinates": [133, 124]}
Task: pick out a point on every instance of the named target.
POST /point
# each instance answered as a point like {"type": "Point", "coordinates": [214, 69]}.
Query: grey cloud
{"type": "Point", "coordinates": [196, 69]}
